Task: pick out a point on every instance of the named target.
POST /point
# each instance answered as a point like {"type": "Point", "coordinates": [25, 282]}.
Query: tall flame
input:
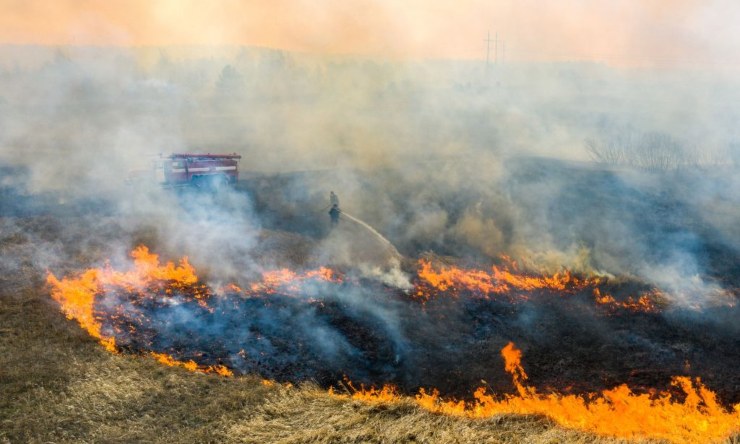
{"type": "Point", "coordinates": [76, 296]}
{"type": "Point", "coordinates": [77, 299]}
{"type": "Point", "coordinates": [617, 412]}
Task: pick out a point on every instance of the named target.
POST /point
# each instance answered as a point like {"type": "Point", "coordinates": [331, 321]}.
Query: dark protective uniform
{"type": "Point", "coordinates": [333, 199]}
{"type": "Point", "coordinates": [334, 215]}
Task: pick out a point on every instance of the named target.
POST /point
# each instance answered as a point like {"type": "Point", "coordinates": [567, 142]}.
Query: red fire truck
{"type": "Point", "coordinates": [199, 170]}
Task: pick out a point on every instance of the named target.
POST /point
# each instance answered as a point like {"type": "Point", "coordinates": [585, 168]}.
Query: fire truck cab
{"type": "Point", "coordinates": [199, 170]}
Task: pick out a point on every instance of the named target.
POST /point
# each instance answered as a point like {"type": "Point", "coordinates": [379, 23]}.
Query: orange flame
{"type": "Point", "coordinates": [451, 278]}
{"type": "Point", "coordinates": [289, 280]}
{"type": "Point", "coordinates": [190, 365]}
{"type": "Point", "coordinates": [617, 412]}
{"type": "Point", "coordinates": [500, 280]}
{"type": "Point", "coordinates": [76, 296]}
{"type": "Point", "coordinates": [387, 393]}
{"type": "Point", "coordinates": [77, 299]}
{"type": "Point", "coordinates": [148, 271]}
{"type": "Point", "coordinates": [644, 303]}
{"type": "Point", "coordinates": [504, 281]}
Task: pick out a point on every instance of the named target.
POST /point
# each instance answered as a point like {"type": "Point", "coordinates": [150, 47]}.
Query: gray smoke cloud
{"type": "Point", "coordinates": [435, 155]}
{"type": "Point", "coordinates": [626, 174]}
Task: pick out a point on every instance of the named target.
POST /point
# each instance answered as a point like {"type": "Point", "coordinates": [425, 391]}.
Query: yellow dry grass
{"type": "Point", "coordinates": [58, 385]}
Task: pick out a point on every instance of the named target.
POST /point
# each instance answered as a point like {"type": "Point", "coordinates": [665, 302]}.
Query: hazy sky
{"type": "Point", "coordinates": [621, 32]}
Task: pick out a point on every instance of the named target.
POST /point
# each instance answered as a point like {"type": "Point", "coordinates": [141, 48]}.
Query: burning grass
{"type": "Point", "coordinates": [59, 386]}
{"type": "Point", "coordinates": [616, 412]}
{"type": "Point", "coordinates": [514, 285]}
{"type": "Point", "coordinates": [696, 416]}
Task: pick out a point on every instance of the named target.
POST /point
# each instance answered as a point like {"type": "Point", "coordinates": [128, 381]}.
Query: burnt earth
{"type": "Point", "coordinates": [375, 335]}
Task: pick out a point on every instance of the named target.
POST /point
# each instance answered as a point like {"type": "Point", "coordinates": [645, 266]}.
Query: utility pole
{"type": "Point", "coordinates": [496, 50]}
{"type": "Point", "coordinates": [488, 49]}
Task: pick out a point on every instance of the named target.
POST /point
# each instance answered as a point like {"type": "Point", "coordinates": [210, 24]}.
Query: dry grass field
{"type": "Point", "coordinates": [58, 385]}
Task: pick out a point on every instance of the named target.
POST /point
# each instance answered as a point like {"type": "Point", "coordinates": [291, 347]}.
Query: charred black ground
{"type": "Point", "coordinates": [570, 344]}
{"type": "Point", "coordinates": [374, 334]}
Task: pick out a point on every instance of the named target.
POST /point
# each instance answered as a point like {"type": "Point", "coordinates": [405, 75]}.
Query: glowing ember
{"type": "Point", "coordinates": [644, 303]}
{"type": "Point", "coordinates": [290, 281]}
{"type": "Point", "coordinates": [617, 412]}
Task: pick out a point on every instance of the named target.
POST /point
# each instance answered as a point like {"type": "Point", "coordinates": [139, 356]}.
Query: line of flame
{"type": "Point", "coordinates": [617, 412]}
{"type": "Point", "coordinates": [503, 281]}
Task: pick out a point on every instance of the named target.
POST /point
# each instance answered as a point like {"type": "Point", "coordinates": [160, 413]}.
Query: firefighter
{"type": "Point", "coordinates": [334, 215]}
{"type": "Point", "coordinates": [333, 199]}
